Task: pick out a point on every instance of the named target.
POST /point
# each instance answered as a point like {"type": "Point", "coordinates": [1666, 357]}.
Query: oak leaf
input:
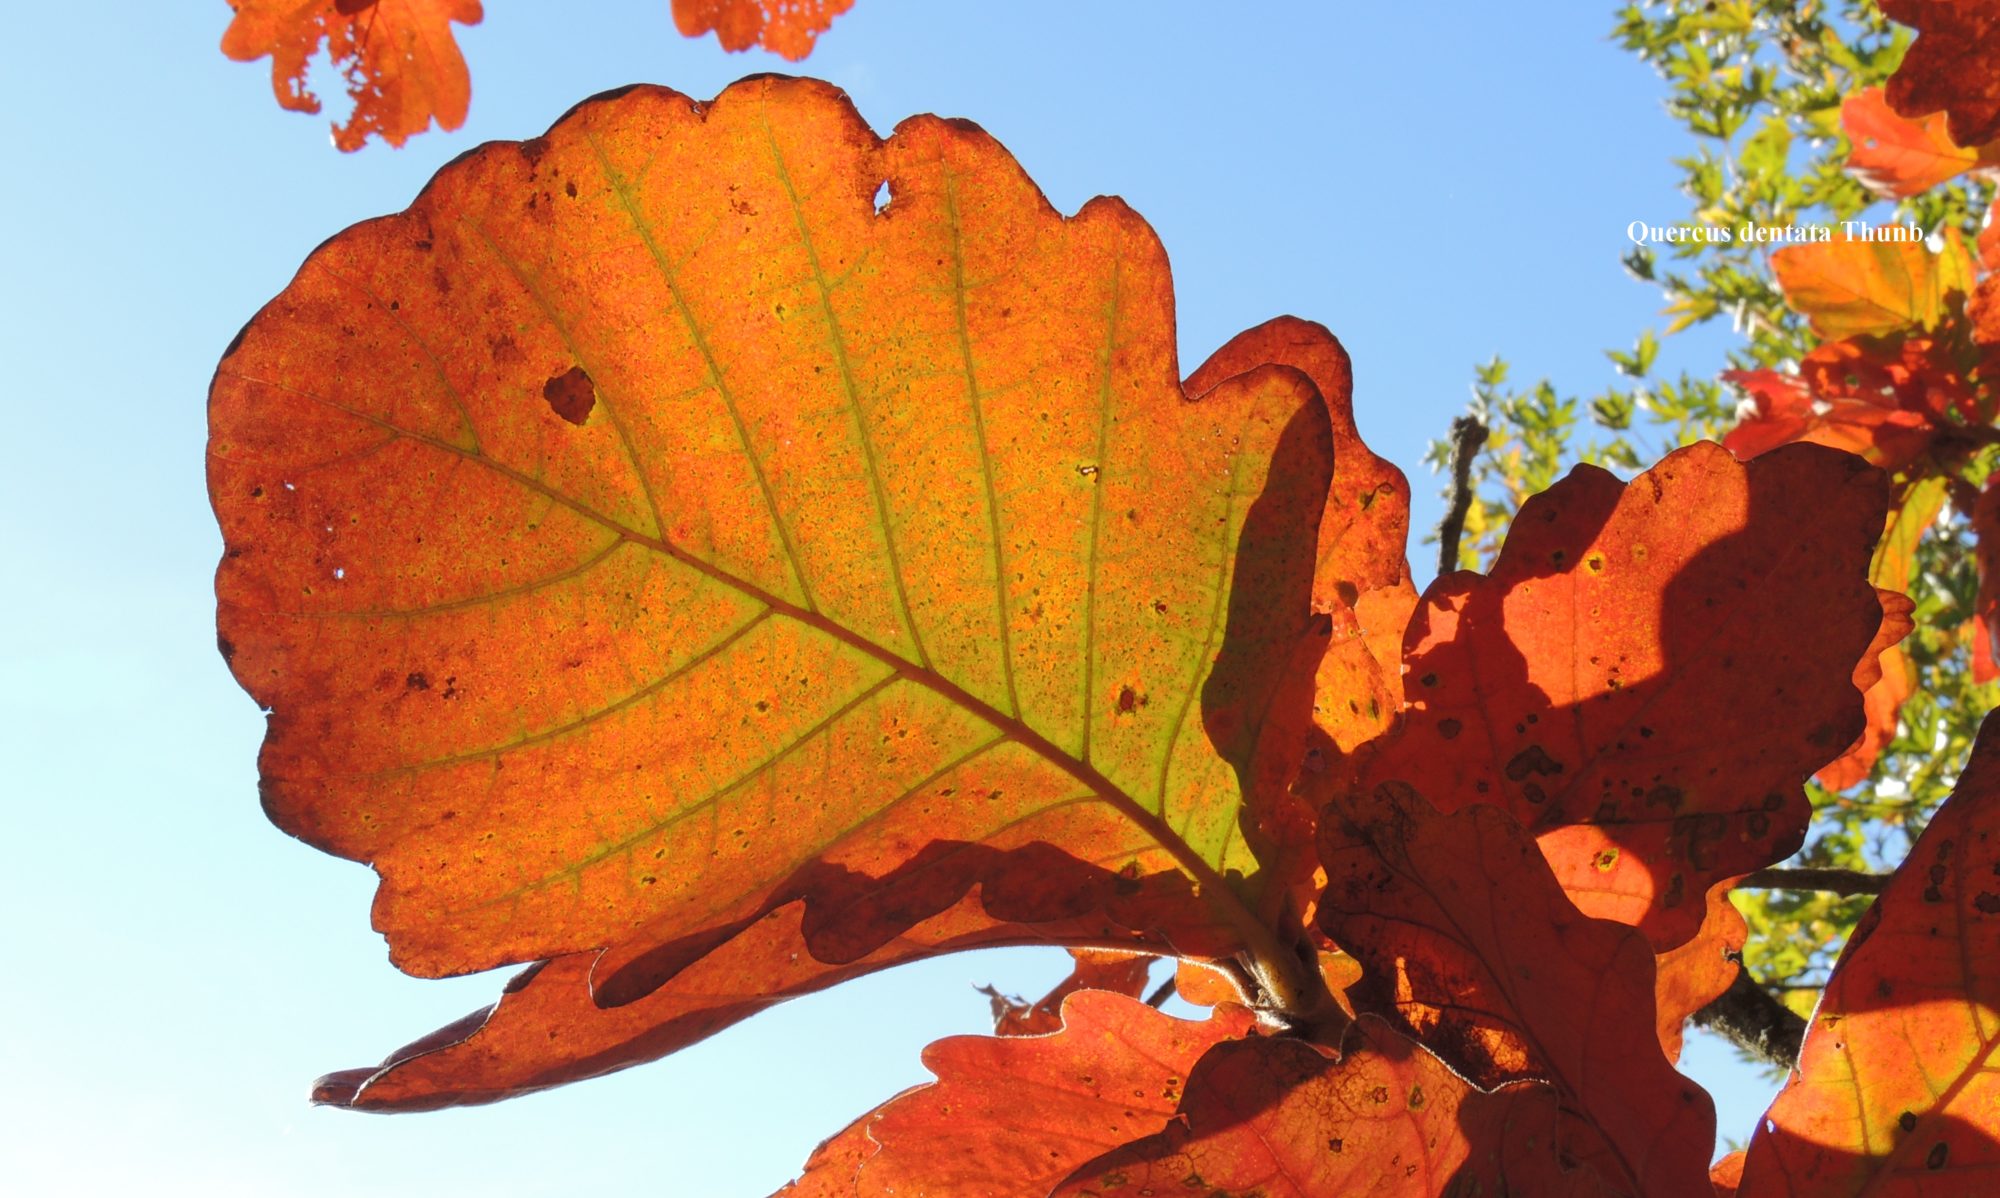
{"type": "Point", "coordinates": [1953, 66]}
{"type": "Point", "coordinates": [1895, 156]}
{"type": "Point", "coordinates": [1651, 671]}
{"type": "Point", "coordinates": [1380, 1117]}
{"type": "Point", "coordinates": [1689, 977]}
{"type": "Point", "coordinates": [784, 27]}
{"type": "Point", "coordinates": [644, 534]}
{"type": "Point", "coordinates": [1011, 1116]}
{"type": "Point", "coordinates": [1896, 1091]}
{"type": "Point", "coordinates": [1470, 945]}
{"type": "Point", "coordinates": [400, 62]}
{"type": "Point", "coordinates": [1851, 288]}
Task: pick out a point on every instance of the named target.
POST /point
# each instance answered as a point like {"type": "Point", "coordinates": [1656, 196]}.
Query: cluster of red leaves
{"type": "Point", "coordinates": [712, 619]}
{"type": "Point", "coordinates": [403, 68]}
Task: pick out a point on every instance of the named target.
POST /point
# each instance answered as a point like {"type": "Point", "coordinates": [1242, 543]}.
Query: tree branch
{"type": "Point", "coordinates": [1747, 1016]}
{"type": "Point", "coordinates": [1832, 881]}
{"type": "Point", "coordinates": [1160, 995]}
{"type": "Point", "coordinates": [1468, 437]}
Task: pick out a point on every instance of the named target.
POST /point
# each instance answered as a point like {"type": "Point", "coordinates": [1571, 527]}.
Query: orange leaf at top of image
{"type": "Point", "coordinates": [1953, 66]}
{"type": "Point", "coordinates": [1897, 1089]}
{"type": "Point", "coordinates": [646, 536]}
{"type": "Point", "coordinates": [1851, 288]}
{"type": "Point", "coordinates": [787, 28]}
{"type": "Point", "coordinates": [399, 59]}
{"type": "Point", "coordinates": [1895, 156]}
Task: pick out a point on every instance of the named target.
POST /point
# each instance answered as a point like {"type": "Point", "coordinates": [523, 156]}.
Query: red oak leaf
{"type": "Point", "coordinates": [1895, 156]}
{"type": "Point", "coordinates": [1470, 945]}
{"type": "Point", "coordinates": [1651, 671]}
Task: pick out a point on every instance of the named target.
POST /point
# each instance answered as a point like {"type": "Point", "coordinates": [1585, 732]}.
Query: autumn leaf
{"type": "Point", "coordinates": [1849, 288]}
{"type": "Point", "coordinates": [784, 27]}
{"type": "Point", "coordinates": [398, 58]}
{"type": "Point", "coordinates": [1689, 977]}
{"type": "Point", "coordinates": [1470, 945]}
{"type": "Point", "coordinates": [1953, 66]}
{"type": "Point", "coordinates": [1011, 1116]}
{"type": "Point", "coordinates": [1895, 156]}
{"type": "Point", "coordinates": [1885, 675]}
{"type": "Point", "coordinates": [548, 1030]}
{"type": "Point", "coordinates": [1090, 969]}
{"type": "Point", "coordinates": [1651, 671]}
{"type": "Point", "coordinates": [1782, 409]}
{"type": "Point", "coordinates": [1287, 1118]}
{"type": "Point", "coordinates": [882, 563]}
{"type": "Point", "coordinates": [1363, 578]}
{"type": "Point", "coordinates": [1895, 1089]}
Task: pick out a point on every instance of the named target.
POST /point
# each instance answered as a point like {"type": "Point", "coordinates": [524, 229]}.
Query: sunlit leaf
{"type": "Point", "coordinates": [1895, 156]}
{"type": "Point", "coordinates": [398, 58]}
{"type": "Point", "coordinates": [1651, 671]}
{"type": "Point", "coordinates": [644, 534]}
{"type": "Point", "coordinates": [1851, 288]}
{"type": "Point", "coordinates": [1471, 946]}
{"type": "Point", "coordinates": [784, 27]}
{"type": "Point", "coordinates": [1898, 1090]}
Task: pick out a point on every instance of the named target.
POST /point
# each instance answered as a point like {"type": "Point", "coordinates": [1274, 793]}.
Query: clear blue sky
{"type": "Point", "coordinates": [1434, 189]}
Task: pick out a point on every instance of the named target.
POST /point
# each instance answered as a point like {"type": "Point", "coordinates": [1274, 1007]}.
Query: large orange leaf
{"type": "Point", "coordinates": [1898, 1084]}
{"type": "Point", "coordinates": [784, 27]}
{"type": "Point", "coordinates": [1953, 66]}
{"type": "Point", "coordinates": [1286, 1118]}
{"type": "Point", "coordinates": [1470, 945]}
{"type": "Point", "coordinates": [1011, 1116]}
{"type": "Point", "coordinates": [1895, 156]}
{"type": "Point", "coordinates": [1849, 288]}
{"type": "Point", "coordinates": [1651, 671]}
{"type": "Point", "coordinates": [643, 533]}
{"type": "Point", "coordinates": [398, 57]}
{"type": "Point", "coordinates": [1783, 408]}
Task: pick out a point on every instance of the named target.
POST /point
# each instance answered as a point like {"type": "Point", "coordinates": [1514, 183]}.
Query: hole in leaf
{"type": "Point", "coordinates": [571, 395]}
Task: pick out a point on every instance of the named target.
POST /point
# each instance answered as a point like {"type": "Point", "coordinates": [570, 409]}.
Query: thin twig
{"type": "Point", "coordinates": [1831, 881]}
{"type": "Point", "coordinates": [1468, 437]}
{"type": "Point", "coordinates": [1748, 1017]}
{"type": "Point", "coordinates": [1161, 993]}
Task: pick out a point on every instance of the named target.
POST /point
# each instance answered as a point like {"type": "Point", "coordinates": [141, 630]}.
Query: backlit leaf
{"type": "Point", "coordinates": [1011, 1116]}
{"type": "Point", "coordinates": [1286, 1118]}
{"type": "Point", "coordinates": [784, 27]}
{"type": "Point", "coordinates": [1651, 671]}
{"type": "Point", "coordinates": [1898, 1084]}
{"type": "Point", "coordinates": [398, 58]}
{"type": "Point", "coordinates": [1689, 977]}
{"type": "Point", "coordinates": [1953, 66]}
{"type": "Point", "coordinates": [1895, 156]}
{"type": "Point", "coordinates": [1471, 946]}
{"type": "Point", "coordinates": [1848, 288]}
{"type": "Point", "coordinates": [643, 534]}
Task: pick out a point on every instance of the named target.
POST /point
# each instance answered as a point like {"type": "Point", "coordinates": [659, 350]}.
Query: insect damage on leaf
{"type": "Point", "coordinates": [398, 58]}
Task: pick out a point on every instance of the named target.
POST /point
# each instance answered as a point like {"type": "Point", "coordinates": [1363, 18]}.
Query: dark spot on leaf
{"type": "Point", "coordinates": [1987, 902]}
{"type": "Point", "coordinates": [1449, 728]}
{"type": "Point", "coordinates": [1907, 1121]}
{"type": "Point", "coordinates": [417, 682]}
{"type": "Point", "coordinates": [1429, 679]}
{"type": "Point", "coordinates": [1128, 701]}
{"type": "Point", "coordinates": [571, 395]}
{"type": "Point", "coordinates": [569, 189]}
{"type": "Point", "coordinates": [1532, 760]}
{"type": "Point", "coordinates": [1938, 1153]}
